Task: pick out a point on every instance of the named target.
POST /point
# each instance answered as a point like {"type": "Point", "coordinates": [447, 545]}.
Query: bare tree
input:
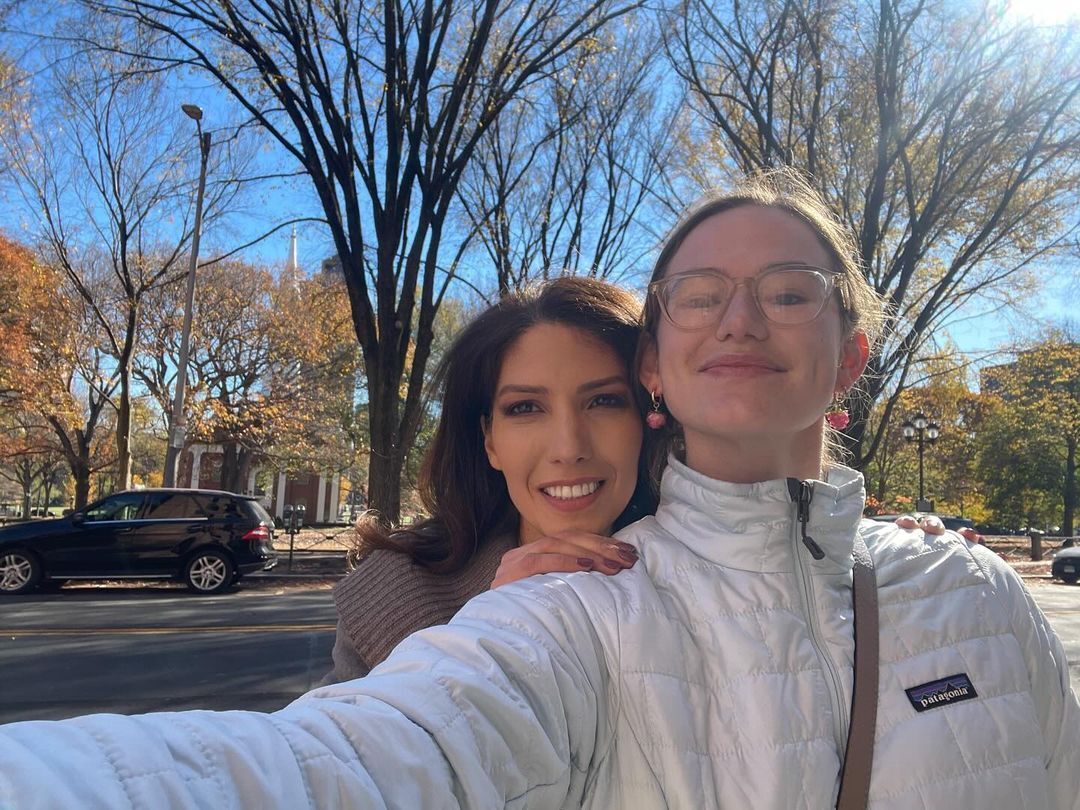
{"type": "Point", "coordinates": [950, 152]}
{"type": "Point", "coordinates": [562, 179]}
{"type": "Point", "coordinates": [80, 416]}
{"type": "Point", "coordinates": [383, 106]}
{"type": "Point", "coordinates": [103, 171]}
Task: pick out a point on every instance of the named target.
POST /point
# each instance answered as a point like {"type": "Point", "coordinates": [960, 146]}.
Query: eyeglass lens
{"type": "Point", "coordinates": [784, 296]}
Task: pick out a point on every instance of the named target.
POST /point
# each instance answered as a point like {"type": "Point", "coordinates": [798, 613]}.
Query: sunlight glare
{"type": "Point", "coordinates": [1043, 12]}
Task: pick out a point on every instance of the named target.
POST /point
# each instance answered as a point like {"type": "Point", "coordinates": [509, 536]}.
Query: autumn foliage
{"type": "Point", "coordinates": [1029, 445]}
{"type": "Point", "coordinates": [27, 289]}
{"type": "Point", "coordinates": [273, 368]}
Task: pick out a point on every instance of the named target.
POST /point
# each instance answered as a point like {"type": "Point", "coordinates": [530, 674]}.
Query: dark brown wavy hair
{"type": "Point", "coordinates": [466, 499]}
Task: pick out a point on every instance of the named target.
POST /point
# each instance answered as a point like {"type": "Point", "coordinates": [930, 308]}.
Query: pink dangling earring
{"type": "Point", "coordinates": [655, 419]}
{"type": "Point", "coordinates": [837, 415]}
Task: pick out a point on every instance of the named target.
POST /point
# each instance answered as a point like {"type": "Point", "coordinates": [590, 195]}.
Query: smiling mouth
{"type": "Point", "coordinates": [738, 364]}
{"type": "Point", "coordinates": [738, 370]}
{"type": "Point", "coordinates": [563, 492]}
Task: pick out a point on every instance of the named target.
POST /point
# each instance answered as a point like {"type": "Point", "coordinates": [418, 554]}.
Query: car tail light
{"type": "Point", "coordinates": [259, 536]}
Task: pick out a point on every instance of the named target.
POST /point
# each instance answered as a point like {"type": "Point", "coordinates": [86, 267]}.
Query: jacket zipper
{"type": "Point", "coordinates": [802, 492]}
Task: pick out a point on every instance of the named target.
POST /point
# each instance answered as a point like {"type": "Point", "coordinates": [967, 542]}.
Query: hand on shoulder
{"type": "Point", "coordinates": [931, 524]}
{"type": "Point", "coordinates": [565, 552]}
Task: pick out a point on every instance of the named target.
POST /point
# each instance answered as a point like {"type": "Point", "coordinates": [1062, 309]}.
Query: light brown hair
{"type": "Point", "coordinates": [861, 308]}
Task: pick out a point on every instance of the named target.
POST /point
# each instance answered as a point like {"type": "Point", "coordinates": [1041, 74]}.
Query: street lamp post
{"type": "Point", "coordinates": [922, 430]}
{"type": "Point", "coordinates": [178, 424]}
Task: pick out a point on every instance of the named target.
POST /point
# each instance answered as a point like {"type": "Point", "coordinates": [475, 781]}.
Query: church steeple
{"type": "Point", "coordinates": [292, 265]}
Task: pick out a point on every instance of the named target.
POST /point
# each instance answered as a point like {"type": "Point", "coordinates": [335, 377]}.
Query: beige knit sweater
{"type": "Point", "coordinates": [389, 597]}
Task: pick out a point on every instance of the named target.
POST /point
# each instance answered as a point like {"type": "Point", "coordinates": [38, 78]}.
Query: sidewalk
{"type": "Point", "coordinates": [329, 565]}
{"type": "Point", "coordinates": [307, 566]}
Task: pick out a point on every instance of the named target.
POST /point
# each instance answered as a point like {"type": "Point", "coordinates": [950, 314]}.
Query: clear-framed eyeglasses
{"type": "Point", "coordinates": [786, 295]}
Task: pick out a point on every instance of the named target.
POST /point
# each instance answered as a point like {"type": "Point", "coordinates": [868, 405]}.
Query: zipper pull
{"type": "Point", "coordinates": [806, 492]}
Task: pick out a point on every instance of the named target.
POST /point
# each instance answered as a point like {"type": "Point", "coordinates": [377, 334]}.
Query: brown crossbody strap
{"type": "Point", "coordinates": [855, 776]}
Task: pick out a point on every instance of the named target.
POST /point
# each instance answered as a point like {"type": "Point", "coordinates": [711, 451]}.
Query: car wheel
{"type": "Point", "coordinates": [209, 571]}
{"type": "Point", "coordinates": [1070, 579]}
{"type": "Point", "coordinates": [20, 571]}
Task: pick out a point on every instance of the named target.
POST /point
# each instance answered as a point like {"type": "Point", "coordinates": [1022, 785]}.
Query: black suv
{"type": "Point", "coordinates": [207, 538]}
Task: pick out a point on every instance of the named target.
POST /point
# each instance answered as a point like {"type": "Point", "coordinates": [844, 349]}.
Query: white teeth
{"type": "Point", "coordinates": [576, 491]}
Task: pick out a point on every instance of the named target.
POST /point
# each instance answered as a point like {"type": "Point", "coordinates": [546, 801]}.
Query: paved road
{"type": "Point", "coordinates": [1061, 604]}
{"type": "Point", "coordinates": [137, 650]}
{"type": "Point", "coordinates": [149, 649]}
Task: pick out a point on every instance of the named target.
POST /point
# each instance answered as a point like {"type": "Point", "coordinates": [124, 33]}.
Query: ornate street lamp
{"type": "Point", "coordinates": [922, 430]}
{"type": "Point", "coordinates": [178, 424]}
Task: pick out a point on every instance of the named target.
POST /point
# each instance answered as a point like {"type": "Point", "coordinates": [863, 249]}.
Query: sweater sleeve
{"type": "Point", "coordinates": [389, 597]}
{"type": "Point", "coordinates": [502, 707]}
{"type": "Point", "coordinates": [347, 661]}
{"type": "Point", "coordinates": [1055, 701]}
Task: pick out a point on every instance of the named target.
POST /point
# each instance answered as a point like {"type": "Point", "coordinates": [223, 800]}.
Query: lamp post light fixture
{"type": "Point", "coordinates": [178, 424]}
{"type": "Point", "coordinates": [922, 430]}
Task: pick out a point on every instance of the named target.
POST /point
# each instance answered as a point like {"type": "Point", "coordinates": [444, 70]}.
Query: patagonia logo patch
{"type": "Point", "coordinates": [941, 692]}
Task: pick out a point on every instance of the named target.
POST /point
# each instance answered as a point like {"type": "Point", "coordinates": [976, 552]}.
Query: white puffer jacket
{"type": "Point", "coordinates": [715, 673]}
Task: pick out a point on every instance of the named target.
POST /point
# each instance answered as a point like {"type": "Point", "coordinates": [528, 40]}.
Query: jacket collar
{"type": "Point", "coordinates": [753, 527]}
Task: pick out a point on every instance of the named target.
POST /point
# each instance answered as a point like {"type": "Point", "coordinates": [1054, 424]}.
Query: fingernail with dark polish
{"type": "Point", "coordinates": [614, 566]}
{"type": "Point", "coordinates": [626, 555]}
{"type": "Point", "coordinates": [585, 562]}
{"type": "Point", "coordinates": [629, 549]}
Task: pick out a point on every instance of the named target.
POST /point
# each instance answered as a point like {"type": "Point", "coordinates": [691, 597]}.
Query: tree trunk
{"type": "Point", "coordinates": [385, 461]}
{"type": "Point", "coordinates": [82, 487]}
{"type": "Point", "coordinates": [123, 414]}
{"type": "Point", "coordinates": [235, 464]}
{"type": "Point", "coordinates": [228, 466]}
{"type": "Point", "coordinates": [1070, 487]}
{"type": "Point", "coordinates": [384, 482]}
{"type": "Point", "coordinates": [26, 501]}
{"type": "Point", "coordinates": [243, 469]}
{"type": "Point", "coordinates": [80, 471]}
{"type": "Point", "coordinates": [123, 435]}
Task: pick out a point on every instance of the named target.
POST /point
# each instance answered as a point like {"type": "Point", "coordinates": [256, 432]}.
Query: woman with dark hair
{"type": "Point", "coordinates": [478, 533]}
{"type": "Point", "coordinates": [768, 649]}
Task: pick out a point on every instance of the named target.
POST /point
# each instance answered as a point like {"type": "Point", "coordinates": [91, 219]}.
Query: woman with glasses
{"type": "Point", "coordinates": [719, 671]}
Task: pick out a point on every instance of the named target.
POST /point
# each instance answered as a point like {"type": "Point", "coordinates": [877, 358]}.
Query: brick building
{"type": "Point", "coordinates": [319, 494]}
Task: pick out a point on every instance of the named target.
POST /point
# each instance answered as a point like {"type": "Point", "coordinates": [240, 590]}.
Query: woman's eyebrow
{"type": "Point", "coordinates": [514, 388]}
{"type": "Point", "coordinates": [602, 383]}
{"type": "Point", "coordinates": [591, 385]}
{"type": "Point", "coordinates": [762, 269]}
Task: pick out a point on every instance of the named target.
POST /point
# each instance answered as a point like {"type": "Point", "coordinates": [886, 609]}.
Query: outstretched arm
{"type": "Point", "coordinates": [503, 705]}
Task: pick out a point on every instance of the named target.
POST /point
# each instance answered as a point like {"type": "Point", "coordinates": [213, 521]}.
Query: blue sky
{"type": "Point", "coordinates": [978, 332]}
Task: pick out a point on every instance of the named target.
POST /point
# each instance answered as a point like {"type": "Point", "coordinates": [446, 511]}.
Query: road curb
{"type": "Point", "coordinates": [292, 577]}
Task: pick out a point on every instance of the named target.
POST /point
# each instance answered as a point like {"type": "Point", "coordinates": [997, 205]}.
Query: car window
{"type": "Point", "coordinates": [259, 512]}
{"type": "Point", "coordinates": [124, 506]}
{"type": "Point", "coordinates": [221, 506]}
{"type": "Point", "coordinates": [171, 505]}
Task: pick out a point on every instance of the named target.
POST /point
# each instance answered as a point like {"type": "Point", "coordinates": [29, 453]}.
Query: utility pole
{"type": "Point", "coordinates": [178, 422]}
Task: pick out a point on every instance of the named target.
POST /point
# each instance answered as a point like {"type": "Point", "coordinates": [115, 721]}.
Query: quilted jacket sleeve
{"type": "Point", "coordinates": [500, 708]}
{"type": "Point", "coordinates": [1055, 701]}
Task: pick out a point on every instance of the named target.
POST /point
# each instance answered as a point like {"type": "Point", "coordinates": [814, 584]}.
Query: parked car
{"type": "Point", "coordinates": [1066, 565]}
{"type": "Point", "coordinates": [951, 522]}
{"type": "Point", "coordinates": [206, 538]}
